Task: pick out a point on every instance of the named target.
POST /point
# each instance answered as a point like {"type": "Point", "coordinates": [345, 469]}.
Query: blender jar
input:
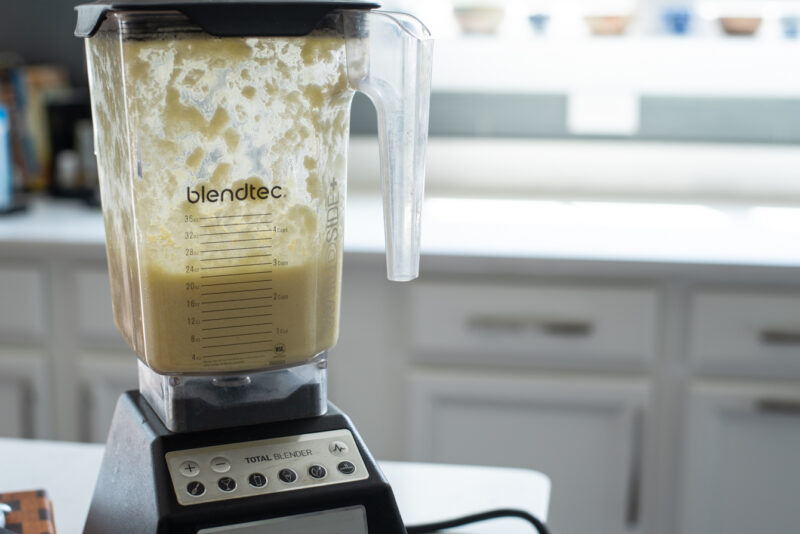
{"type": "Point", "coordinates": [221, 135]}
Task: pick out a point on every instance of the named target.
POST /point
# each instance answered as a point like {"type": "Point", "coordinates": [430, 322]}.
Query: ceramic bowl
{"type": "Point", "coordinates": [479, 19]}
{"type": "Point", "coordinates": [740, 25]}
{"type": "Point", "coordinates": [608, 24]}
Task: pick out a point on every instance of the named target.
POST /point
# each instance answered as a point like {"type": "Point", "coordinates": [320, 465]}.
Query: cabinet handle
{"type": "Point", "coordinates": [519, 325]}
{"type": "Point", "coordinates": [778, 407]}
{"type": "Point", "coordinates": [780, 337]}
{"type": "Point", "coordinates": [567, 328]}
{"type": "Point", "coordinates": [633, 502]}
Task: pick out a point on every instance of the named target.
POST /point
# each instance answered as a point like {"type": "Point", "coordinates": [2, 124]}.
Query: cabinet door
{"type": "Point", "coordinates": [23, 314]}
{"type": "Point", "coordinates": [742, 469]}
{"type": "Point", "coordinates": [23, 394]}
{"type": "Point", "coordinates": [105, 378]}
{"type": "Point", "coordinates": [586, 435]}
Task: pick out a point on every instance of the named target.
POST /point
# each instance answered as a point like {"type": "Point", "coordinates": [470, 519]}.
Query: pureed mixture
{"type": "Point", "coordinates": [228, 256]}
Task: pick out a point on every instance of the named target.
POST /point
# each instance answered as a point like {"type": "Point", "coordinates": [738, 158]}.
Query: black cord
{"type": "Point", "coordinates": [475, 518]}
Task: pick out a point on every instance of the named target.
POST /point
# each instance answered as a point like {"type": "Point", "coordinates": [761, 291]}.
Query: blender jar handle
{"type": "Point", "coordinates": [389, 60]}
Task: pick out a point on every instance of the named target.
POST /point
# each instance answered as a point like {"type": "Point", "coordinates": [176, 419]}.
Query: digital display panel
{"type": "Point", "coordinates": [340, 521]}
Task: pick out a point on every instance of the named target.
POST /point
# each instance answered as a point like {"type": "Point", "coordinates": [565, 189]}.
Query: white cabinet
{"type": "Point", "coordinates": [22, 302]}
{"type": "Point", "coordinates": [553, 324]}
{"type": "Point", "coordinates": [24, 394]}
{"type": "Point", "coordinates": [662, 398]}
{"type": "Point", "coordinates": [748, 332]}
{"type": "Point", "coordinates": [104, 377]}
{"type": "Point", "coordinates": [586, 434]}
{"type": "Point", "coordinates": [742, 459]}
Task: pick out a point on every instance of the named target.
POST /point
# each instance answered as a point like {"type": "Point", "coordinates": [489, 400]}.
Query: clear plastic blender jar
{"type": "Point", "coordinates": [221, 141]}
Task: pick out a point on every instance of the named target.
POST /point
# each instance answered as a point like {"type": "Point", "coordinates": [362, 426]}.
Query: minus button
{"type": "Point", "coordinates": [220, 464]}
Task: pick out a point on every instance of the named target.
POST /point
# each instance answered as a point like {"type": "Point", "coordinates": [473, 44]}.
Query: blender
{"type": "Point", "coordinates": [221, 132]}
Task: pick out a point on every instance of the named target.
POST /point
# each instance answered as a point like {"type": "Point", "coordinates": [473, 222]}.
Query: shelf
{"type": "Point", "coordinates": [672, 66]}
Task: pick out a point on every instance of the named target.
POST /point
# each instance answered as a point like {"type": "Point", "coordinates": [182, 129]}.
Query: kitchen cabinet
{"type": "Point", "coordinates": [24, 324]}
{"type": "Point", "coordinates": [557, 324]}
{"type": "Point", "coordinates": [22, 313]}
{"type": "Point", "coordinates": [746, 333]}
{"type": "Point", "coordinates": [586, 434]}
{"type": "Point", "coordinates": [651, 391]}
{"type": "Point", "coordinates": [24, 394]}
{"type": "Point", "coordinates": [104, 376]}
{"type": "Point", "coordinates": [742, 472]}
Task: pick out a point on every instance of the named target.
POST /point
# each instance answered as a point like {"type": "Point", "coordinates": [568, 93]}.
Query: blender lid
{"type": "Point", "coordinates": [226, 18]}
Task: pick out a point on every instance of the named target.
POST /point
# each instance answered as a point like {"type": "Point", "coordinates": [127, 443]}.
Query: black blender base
{"type": "Point", "coordinates": [138, 489]}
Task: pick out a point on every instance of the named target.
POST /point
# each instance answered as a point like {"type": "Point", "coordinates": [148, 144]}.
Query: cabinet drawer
{"type": "Point", "coordinates": [95, 318]}
{"type": "Point", "coordinates": [529, 324]}
{"type": "Point", "coordinates": [749, 332]}
{"type": "Point", "coordinates": [22, 310]}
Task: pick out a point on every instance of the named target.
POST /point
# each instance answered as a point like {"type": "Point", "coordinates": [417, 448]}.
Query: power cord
{"type": "Point", "coordinates": [475, 518]}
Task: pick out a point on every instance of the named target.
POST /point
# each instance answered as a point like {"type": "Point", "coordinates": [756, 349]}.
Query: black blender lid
{"type": "Point", "coordinates": [227, 18]}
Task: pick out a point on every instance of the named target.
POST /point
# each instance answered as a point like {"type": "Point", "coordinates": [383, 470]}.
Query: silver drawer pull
{"type": "Point", "coordinates": [494, 324]}
{"type": "Point", "coordinates": [778, 407]}
{"type": "Point", "coordinates": [567, 328]}
{"type": "Point", "coordinates": [497, 325]}
{"type": "Point", "coordinates": [633, 504]}
{"type": "Point", "coordinates": [780, 337]}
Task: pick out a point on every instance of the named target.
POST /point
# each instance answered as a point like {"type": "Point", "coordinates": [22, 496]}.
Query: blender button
{"type": "Point", "coordinates": [338, 448]}
{"type": "Point", "coordinates": [317, 471]}
{"type": "Point", "coordinates": [346, 468]}
{"type": "Point", "coordinates": [189, 468]}
{"type": "Point", "coordinates": [257, 480]}
{"type": "Point", "coordinates": [195, 489]}
{"type": "Point", "coordinates": [220, 465]}
{"type": "Point", "coordinates": [226, 484]}
{"type": "Point", "coordinates": [287, 475]}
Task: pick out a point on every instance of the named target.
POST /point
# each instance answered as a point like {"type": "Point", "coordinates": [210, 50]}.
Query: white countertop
{"type": "Point", "coordinates": [607, 231]}
{"type": "Point", "coordinates": [424, 492]}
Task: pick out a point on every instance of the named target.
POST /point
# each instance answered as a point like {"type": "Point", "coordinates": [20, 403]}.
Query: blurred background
{"type": "Point", "coordinates": [610, 287]}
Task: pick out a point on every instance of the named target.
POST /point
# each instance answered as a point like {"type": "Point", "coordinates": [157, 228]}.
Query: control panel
{"type": "Point", "coordinates": [289, 463]}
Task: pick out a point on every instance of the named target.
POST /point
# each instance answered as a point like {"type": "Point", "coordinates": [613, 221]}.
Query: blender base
{"type": "Point", "coordinates": [311, 475]}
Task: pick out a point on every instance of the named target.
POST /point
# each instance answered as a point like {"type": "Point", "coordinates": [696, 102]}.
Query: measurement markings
{"type": "Point", "coordinates": [236, 344]}
{"type": "Point", "coordinates": [231, 249]}
{"type": "Point", "coordinates": [233, 233]}
{"type": "Point", "coordinates": [235, 318]}
{"type": "Point", "coordinates": [238, 353]}
{"type": "Point", "coordinates": [205, 302]}
{"type": "Point", "coordinates": [234, 274]}
{"type": "Point", "coordinates": [234, 309]}
{"type": "Point", "coordinates": [237, 291]}
{"type": "Point", "coordinates": [237, 240]}
{"type": "Point", "coordinates": [240, 335]}
{"type": "Point", "coordinates": [237, 326]}
{"type": "Point", "coordinates": [234, 283]}
{"type": "Point", "coordinates": [236, 258]}
{"type": "Point", "coordinates": [237, 266]}
{"type": "Point", "coordinates": [234, 224]}
{"type": "Point", "coordinates": [234, 216]}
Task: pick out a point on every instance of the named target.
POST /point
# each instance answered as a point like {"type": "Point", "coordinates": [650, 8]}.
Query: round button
{"type": "Point", "coordinates": [287, 475]}
{"type": "Point", "coordinates": [257, 480]}
{"type": "Point", "coordinates": [195, 489]}
{"type": "Point", "coordinates": [189, 468]}
{"type": "Point", "coordinates": [220, 464]}
{"type": "Point", "coordinates": [226, 484]}
{"type": "Point", "coordinates": [317, 471]}
{"type": "Point", "coordinates": [346, 468]}
{"type": "Point", "coordinates": [338, 448]}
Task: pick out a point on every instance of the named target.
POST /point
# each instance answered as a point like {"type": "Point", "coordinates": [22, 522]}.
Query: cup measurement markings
{"type": "Point", "coordinates": [229, 302]}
